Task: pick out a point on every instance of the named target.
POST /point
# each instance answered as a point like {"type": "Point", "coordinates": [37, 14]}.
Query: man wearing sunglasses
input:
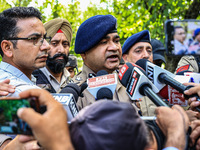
{"type": "Point", "coordinates": [24, 46]}
{"type": "Point", "coordinates": [54, 76]}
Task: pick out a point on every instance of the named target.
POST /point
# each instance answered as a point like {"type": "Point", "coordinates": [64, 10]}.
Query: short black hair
{"type": "Point", "coordinates": [9, 19]}
{"type": "Point", "coordinates": [177, 27]}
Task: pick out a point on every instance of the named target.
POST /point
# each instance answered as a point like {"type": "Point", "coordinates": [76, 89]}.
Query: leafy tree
{"type": "Point", "coordinates": [137, 15]}
{"type": "Point", "coordinates": [10, 107]}
{"type": "Point", "coordinates": [132, 16]}
{"type": "Point", "coordinates": [4, 5]}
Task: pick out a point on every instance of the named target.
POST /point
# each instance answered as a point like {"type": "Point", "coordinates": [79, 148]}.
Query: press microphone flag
{"type": "Point", "coordinates": [133, 78]}
{"type": "Point", "coordinates": [153, 72]}
{"type": "Point", "coordinates": [161, 77]}
{"type": "Point", "coordinates": [108, 81]}
{"type": "Point", "coordinates": [68, 102]}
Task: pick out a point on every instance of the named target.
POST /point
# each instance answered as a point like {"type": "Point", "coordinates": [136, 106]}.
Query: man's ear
{"type": "Point", "coordinates": [83, 55]}
{"type": "Point", "coordinates": [124, 56]}
{"type": "Point", "coordinates": [7, 47]}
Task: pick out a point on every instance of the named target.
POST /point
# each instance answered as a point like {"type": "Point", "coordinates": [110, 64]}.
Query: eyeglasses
{"type": "Point", "coordinates": [181, 33]}
{"type": "Point", "coordinates": [37, 41]}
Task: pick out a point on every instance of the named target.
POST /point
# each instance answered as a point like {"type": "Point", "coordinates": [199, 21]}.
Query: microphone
{"type": "Point", "coordinates": [73, 89]}
{"type": "Point", "coordinates": [101, 73]}
{"type": "Point", "coordinates": [102, 80]}
{"type": "Point", "coordinates": [83, 86]}
{"type": "Point", "coordinates": [68, 97]}
{"type": "Point", "coordinates": [160, 77]}
{"type": "Point", "coordinates": [138, 85]}
{"type": "Point", "coordinates": [104, 93]}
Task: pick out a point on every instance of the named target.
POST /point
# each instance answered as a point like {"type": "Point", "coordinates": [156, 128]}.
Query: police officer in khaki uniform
{"type": "Point", "coordinates": [137, 47]}
{"type": "Point", "coordinates": [99, 45]}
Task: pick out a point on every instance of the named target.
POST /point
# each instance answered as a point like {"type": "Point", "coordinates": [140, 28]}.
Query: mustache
{"type": "Point", "coordinates": [108, 54]}
{"type": "Point", "coordinates": [57, 55]}
{"type": "Point", "coordinates": [57, 66]}
{"type": "Point", "coordinates": [42, 54]}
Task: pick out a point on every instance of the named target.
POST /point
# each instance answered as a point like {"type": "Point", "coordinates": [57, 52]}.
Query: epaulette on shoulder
{"type": "Point", "coordinates": [191, 57]}
{"type": "Point", "coordinates": [78, 79]}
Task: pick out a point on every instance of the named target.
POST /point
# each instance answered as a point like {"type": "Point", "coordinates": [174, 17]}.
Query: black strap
{"type": "Point", "coordinates": [42, 79]}
{"type": "Point", "coordinates": [160, 138]}
{"type": "Point", "coordinates": [198, 61]}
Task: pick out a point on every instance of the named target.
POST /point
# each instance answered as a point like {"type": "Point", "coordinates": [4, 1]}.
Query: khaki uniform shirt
{"type": "Point", "coordinates": [147, 106]}
{"type": "Point", "coordinates": [120, 92]}
{"type": "Point", "coordinates": [187, 63]}
{"type": "Point", "coordinates": [53, 81]}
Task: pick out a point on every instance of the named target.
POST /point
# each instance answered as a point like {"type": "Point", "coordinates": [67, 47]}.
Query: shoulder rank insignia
{"type": "Point", "coordinates": [78, 78]}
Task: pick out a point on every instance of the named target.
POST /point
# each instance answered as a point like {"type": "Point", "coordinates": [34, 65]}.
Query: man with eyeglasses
{"type": "Point", "coordinates": [54, 76]}
{"type": "Point", "coordinates": [180, 48]}
{"type": "Point", "coordinates": [24, 46]}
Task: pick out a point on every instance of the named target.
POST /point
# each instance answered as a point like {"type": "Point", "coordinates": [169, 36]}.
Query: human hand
{"type": "Point", "coordinates": [174, 124]}
{"type": "Point", "coordinates": [192, 115]}
{"type": "Point", "coordinates": [195, 134]}
{"type": "Point", "coordinates": [5, 88]}
{"type": "Point", "coordinates": [50, 128]}
{"type": "Point", "coordinates": [22, 142]}
{"type": "Point", "coordinates": [194, 90]}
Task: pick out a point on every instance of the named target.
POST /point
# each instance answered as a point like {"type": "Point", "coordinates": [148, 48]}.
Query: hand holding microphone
{"type": "Point", "coordinates": [160, 77]}
{"type": "Point", "coordinates": [193, 101]}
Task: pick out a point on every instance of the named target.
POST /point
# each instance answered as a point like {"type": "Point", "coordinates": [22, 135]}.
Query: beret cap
{"type": "Point", "coordinates": [196, 32]}
{"type": "Point", "coordinates": [92, 30]}
{"type": "Point", "coordinates": [143, 36]}
{"type": "Point", "coordinates": [158, 50]}
{"type": "Point", "coordinates": [54, 25]}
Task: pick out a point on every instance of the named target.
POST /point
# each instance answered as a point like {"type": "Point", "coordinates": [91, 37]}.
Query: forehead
{"type": "Point", "coordinates": [112, 35]}
{"type": "Point", "coordinates": [179, 30]}
{"type": "Point", "coordinates": [59, 36]}
{"type": "Point", "coordinates": [29, 26]}
{"type": "Point", "coordinates": [141, 44]}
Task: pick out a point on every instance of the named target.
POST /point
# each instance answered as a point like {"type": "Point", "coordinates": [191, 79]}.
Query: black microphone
{"type": "Point", "coordinates": [160, 77]}
{"type": "Point", "coordinates": [73, 89]}
{"type": "Point", "coordinates": [138, 85]}
{"type": "Point", "coordinates": [83, 87]}
{"type": "Point", "coordinates": [101, 73]}
{"type": "Point", "coordinates": [104, 93]}
{"type": "Point", "coordinates": [102, 79]}
{"type": "Point", "coordinates": [68, 97]}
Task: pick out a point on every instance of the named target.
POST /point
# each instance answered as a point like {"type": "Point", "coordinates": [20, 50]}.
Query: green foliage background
{"type": "Point", "coordinates": [10, 107]}
{"type": "Point", "coordinates": [132, 15]}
